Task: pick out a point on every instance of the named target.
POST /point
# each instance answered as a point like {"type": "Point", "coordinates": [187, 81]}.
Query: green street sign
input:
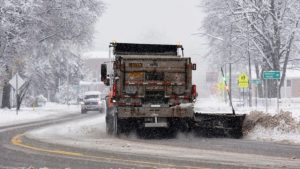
{"type": "Point", "coordinates": [256, 81]}
{"type": "Point", "coordinates": [268, 75]}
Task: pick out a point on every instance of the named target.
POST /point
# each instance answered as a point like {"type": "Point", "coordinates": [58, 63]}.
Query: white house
{"type": "Point", "coordinates": [291, 87]}
{"type": "Point", "coordinates": [92, 67]}
{"type": "Point", "coordinates": [92, 64]}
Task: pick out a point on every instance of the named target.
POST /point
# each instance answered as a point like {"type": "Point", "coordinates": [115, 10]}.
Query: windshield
{"type": "Point", "coordinates": [91, 96]}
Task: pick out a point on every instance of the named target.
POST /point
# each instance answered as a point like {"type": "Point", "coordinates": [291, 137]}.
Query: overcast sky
{"type": "Point", "coordinates": [150, 21]}
{"type": "Point", "coordinates": [154, 21]}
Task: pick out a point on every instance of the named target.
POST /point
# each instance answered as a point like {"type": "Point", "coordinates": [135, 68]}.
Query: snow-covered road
{"type": "Point", "coordinates": [30, 114]}
{"type": "Point", "coordinates": [284, 128]}
{"type": "Point", "coordinates": [89, 133]}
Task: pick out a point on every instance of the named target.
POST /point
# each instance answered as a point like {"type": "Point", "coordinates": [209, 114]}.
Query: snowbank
{"type": "Point", "coordinates": [29, 114]}
{"type": "Point", "coordinates": [281, 127]}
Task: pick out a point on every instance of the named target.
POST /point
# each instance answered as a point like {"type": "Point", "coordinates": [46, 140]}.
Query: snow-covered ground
{"type": "Point", "coordinates": [29, 114]}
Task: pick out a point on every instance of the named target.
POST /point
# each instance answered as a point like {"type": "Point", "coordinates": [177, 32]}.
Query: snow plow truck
{"type": "Point", "coordinates": [151, 87]}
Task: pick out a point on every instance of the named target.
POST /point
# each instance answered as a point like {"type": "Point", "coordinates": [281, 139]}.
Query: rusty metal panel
{"type": "Point", "coordinates": [150, 112]}
{"type": "Point", "coordinates": [175, 77]}
{"type": "Point", "coordinates": [164, 82]}
{"type": "Point", "coordinates": [134, 76]}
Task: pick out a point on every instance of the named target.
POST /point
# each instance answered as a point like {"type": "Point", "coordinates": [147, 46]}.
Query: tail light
{"type": "Point", "coordinates": [194, 90]}
{"type": "Point", "coordinates": [114, 90]}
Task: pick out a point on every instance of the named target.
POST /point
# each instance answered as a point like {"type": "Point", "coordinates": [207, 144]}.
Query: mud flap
{"type": "Point", "coordinates": [219, 125]}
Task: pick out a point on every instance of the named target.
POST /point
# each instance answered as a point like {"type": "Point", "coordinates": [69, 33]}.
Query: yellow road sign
{"type": "Point", "coordinates": [221, 85]}
{"type": "Point", "coordinates": [243, 80]}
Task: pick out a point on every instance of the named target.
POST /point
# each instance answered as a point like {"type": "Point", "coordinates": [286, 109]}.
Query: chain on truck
{"type": "Point", "coordinates": [151, 87]}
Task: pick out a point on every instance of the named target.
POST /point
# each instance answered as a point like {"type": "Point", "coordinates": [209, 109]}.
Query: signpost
{"type": "Point", "coordinates": [256, 82]}
{"type": "Point", "coordinates": [221, 86]}
{"type": "Point", "coordinates": [272, 75]}
{"type": "Point", "coordinates": [243, 82]}
{"type": "Point", "coordinates": [17, 82]}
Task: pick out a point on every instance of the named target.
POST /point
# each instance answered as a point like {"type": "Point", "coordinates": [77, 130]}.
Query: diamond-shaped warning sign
{"type": "Point", "coordinates": [243, 80]}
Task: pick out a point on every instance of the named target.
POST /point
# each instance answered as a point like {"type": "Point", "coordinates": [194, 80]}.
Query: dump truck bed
{"type": "Point", "coordinates": [150, 84]}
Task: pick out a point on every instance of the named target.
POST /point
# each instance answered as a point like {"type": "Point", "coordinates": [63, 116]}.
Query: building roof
{"type": "Point", "coordinates": [292, 74]}
{"type": "Point", "coordinates": [95, 55]}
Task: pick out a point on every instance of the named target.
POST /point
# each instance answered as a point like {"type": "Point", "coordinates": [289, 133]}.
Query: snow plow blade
{"type": "Point", "coordinates": [219, 125]}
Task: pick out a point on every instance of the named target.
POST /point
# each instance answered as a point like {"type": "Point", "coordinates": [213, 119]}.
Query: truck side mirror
{"type": "Point", "coordinates": [103, 72]}
{"type": "Point", "coordinates": [194, 66]}
{"type": "Point", "coordinates": [106, 82]}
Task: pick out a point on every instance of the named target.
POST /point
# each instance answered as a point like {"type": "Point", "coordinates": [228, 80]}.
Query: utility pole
{"type": "Point", "coordinates": [225, 73]}
{"type": "Point", "coordinates": [249, 64]}
{"type": "Point", "coordinates": [68, 84]}
{"type": "Point", "coordinates": [230, 84]}
{"type": "Point", "coordinates": [230, 79]}
{"type": "Point", "coordinates": [17, 92]}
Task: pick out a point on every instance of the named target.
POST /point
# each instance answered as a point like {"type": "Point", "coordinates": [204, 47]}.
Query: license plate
{"type": "Point", "coordinates": [135, 65]}
{"type": "Point", "coordinates": [135, 74]}
{"type": "Point", "coordinates": [161, 124]}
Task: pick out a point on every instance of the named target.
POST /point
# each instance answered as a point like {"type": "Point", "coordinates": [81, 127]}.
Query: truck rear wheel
{"type": "Point", "coordinates": [83, 111]}
{"type": "Point", "coordinates": [116, 128]}
{"type": "Point", "coordinates": [109, 125]}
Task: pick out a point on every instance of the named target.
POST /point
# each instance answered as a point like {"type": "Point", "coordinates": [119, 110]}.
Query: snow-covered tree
{"type": "Point", "coordinates": [266, 30]}
{"type": "Point", "coordinates": [42, 40]}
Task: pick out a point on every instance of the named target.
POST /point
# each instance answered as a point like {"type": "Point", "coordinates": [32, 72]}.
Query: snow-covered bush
{"type": "Point", "coordinates": [40, 100]}
{"type": "Point", "coordinates": [67, 94]}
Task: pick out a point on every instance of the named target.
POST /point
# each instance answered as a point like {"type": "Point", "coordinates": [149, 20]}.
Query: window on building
{"type": "Point", "coordinates": [288, 83]}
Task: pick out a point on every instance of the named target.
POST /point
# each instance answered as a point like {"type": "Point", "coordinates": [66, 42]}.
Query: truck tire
{"type": "Point", "coordinates": [116, 126]}
{"type": "Point", "coordinates": [109, 125]}
{"type": "Point", "coordinates": [83, 111]}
